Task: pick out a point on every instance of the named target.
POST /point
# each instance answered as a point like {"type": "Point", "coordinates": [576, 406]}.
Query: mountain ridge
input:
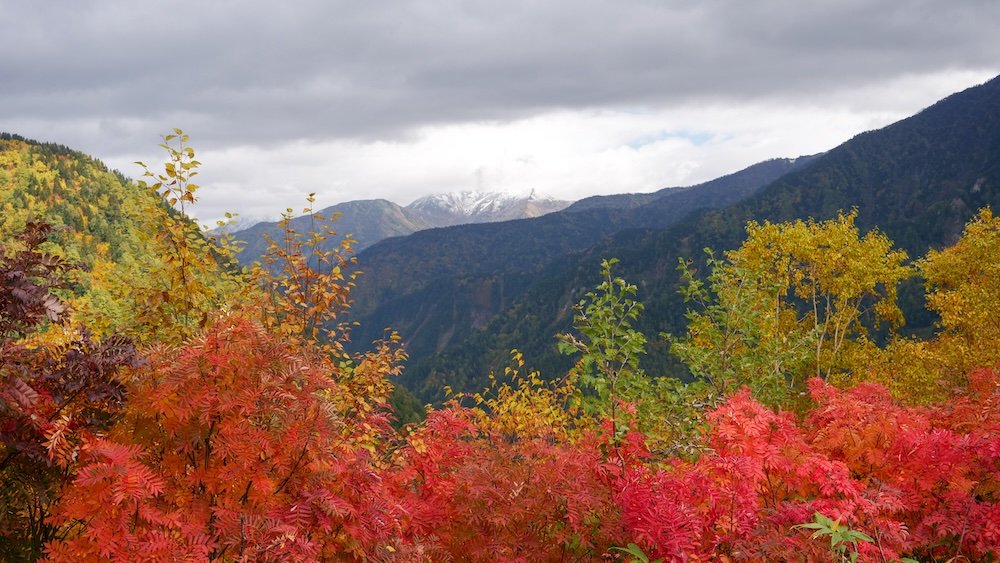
{"type": "Point", "coordinates": [918, 180]}
{"type": "Point", "coordinates": [438, 285]}
{"type": "Point", "coordinates": [484, 207]}
{"type": "Point", "coordinates": [369, 221]}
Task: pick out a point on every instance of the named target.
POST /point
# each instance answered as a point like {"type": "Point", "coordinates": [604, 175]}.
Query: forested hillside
{"type": "Point", "coordinates": [437, 287]}
{"type": "Point", "coordinates": [67, 188]}
{"type": "Point", "coordinates": [109, 231]}
{"type": "Point", "coordinates": [918, 181]}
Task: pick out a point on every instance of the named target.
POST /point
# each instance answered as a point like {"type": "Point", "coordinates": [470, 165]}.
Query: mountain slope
{"type": "Point", "coordinates": [716, 193]}
{"type": "Point", "coordinates": [671, 206]}
{"type": "Point", "coordinates": [618, 201]}
{"type": "Point", "coordinates": [371, 220]}
{"type": "Point", "coordinates": [368, 221]}
{"type": "Point", "coordinates": [438, 286]}
{"type": "Point", "coordinates": [66, 188]}
{"type": "Point", "coordinates": [918, 181]}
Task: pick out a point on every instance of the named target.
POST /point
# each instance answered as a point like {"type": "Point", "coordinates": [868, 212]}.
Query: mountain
{"type": "Point", "coordinates": [368, 221]}
{"type": "Point", "coordinates": [718, 193]}
{"type": "Point", "coordinates": [371, 220]}
{"type": "Point", "coordinates": [97, 209]}
{"type": "Point", "coordinates": [439, 286]}
{"type": "Point", "coordinates": [618, 201]}
{"type": "Point", "coordinates": [482, 207]}
{"type": "Point", "coordinates": [918, 181]}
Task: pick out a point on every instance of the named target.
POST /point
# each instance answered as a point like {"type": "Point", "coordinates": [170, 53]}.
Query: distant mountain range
{"type": "Point", "coordinates": [371, 220]}
{"type": "Point", "coordinates": [482, 207]}
{"type": "Point", "coordinates": [439, 287]}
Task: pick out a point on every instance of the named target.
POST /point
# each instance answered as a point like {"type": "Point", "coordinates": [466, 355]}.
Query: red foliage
{"type": "Point", "coordinates": [233, 448]}
{"type": "Point", "coordinates": [758, 479]}
{"type": "Point", "coordinates": [28, 277]}
{"type": "Point", "coordinates": [229, 447]}
{"type": "Point", "coordinates": [476, 496]}
{"type": "Point", "coordinates": [52, 394]}
{"type": "Point", "coordinates": [939, 465]}
{"type": "Point", "coordinates": [921, 481]}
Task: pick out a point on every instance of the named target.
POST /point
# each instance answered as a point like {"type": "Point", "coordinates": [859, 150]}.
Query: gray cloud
{"type": "Point", "coordinates": [399, 99]}
{"type": "Point", "coordinates": [265, 72]}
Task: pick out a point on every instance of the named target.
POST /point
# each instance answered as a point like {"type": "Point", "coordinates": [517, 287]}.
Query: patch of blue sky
{"type": "Point", "coordinates": [696, 138]}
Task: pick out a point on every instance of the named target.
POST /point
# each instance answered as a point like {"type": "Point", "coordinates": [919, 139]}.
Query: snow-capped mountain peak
{"type": "Point", "coordinates": [476, 207]}
{"type": "Point", "coordinates": [466, 202]}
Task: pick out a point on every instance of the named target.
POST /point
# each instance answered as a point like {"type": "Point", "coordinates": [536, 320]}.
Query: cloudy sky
{"type": "Point", "coordinates": [395, 100]}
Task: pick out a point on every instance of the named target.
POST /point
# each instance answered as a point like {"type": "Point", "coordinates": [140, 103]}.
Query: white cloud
{"type": "Point", "coordinates": [571, 97]}
{"type": "Point", "coordinates": [566, 154]}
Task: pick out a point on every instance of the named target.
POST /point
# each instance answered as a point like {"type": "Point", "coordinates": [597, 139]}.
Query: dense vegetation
{"type": "Point", "coordinates": [202, 412]}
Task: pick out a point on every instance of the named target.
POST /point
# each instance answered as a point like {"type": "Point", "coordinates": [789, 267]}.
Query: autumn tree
{"type": "Point", "coordinates": [918, 481]}
{"type": "Point", "coordinates": [933, 469]}
{"type": "Point", "coordinates": [56, 391]}
{"type": "Point", "coordinates": [229, 448]}
{"type": "Point", "coordinates": [250, 435]}
{"type": "Point", "coordinates": [300, 290]}
{"type": "Point", "coordinates": [795, 300]}
{"type": "Point", "coordinates": [307, 285]}
{"type": "Point", "coordinates": [184, 277]}
{"type": "Point", "coordinates": [962, 290]}
{"type": "Point", "coordinates": [510, 474]}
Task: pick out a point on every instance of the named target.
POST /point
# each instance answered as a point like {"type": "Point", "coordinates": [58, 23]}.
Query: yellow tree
{"type": "Point", "coordinates": [795, 300]}
{"type": "Point", "coordinates": [167, 290]}
{"type": "Point", "coordinates": [963, 283]}
{"type": "Point", "coordinates": [963, 289]}
{"type": "Point", "coordinates": [301, 291]}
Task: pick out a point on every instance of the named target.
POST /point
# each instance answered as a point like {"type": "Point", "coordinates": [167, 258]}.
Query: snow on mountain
{"type": "Point", "coordinates": [465, 203]}
{"type": "Point", "coordinates": [479, 207]}
{"type": "Point", "coordinates": [372, 220]}
{"type": "Point", "coordinates": [239, 223]}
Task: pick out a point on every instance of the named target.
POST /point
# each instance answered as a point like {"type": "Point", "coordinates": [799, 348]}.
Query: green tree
{"type": "Point", "coordinates": [665, 409]}
{"type": "Point", "coordinates": [610, 348]}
